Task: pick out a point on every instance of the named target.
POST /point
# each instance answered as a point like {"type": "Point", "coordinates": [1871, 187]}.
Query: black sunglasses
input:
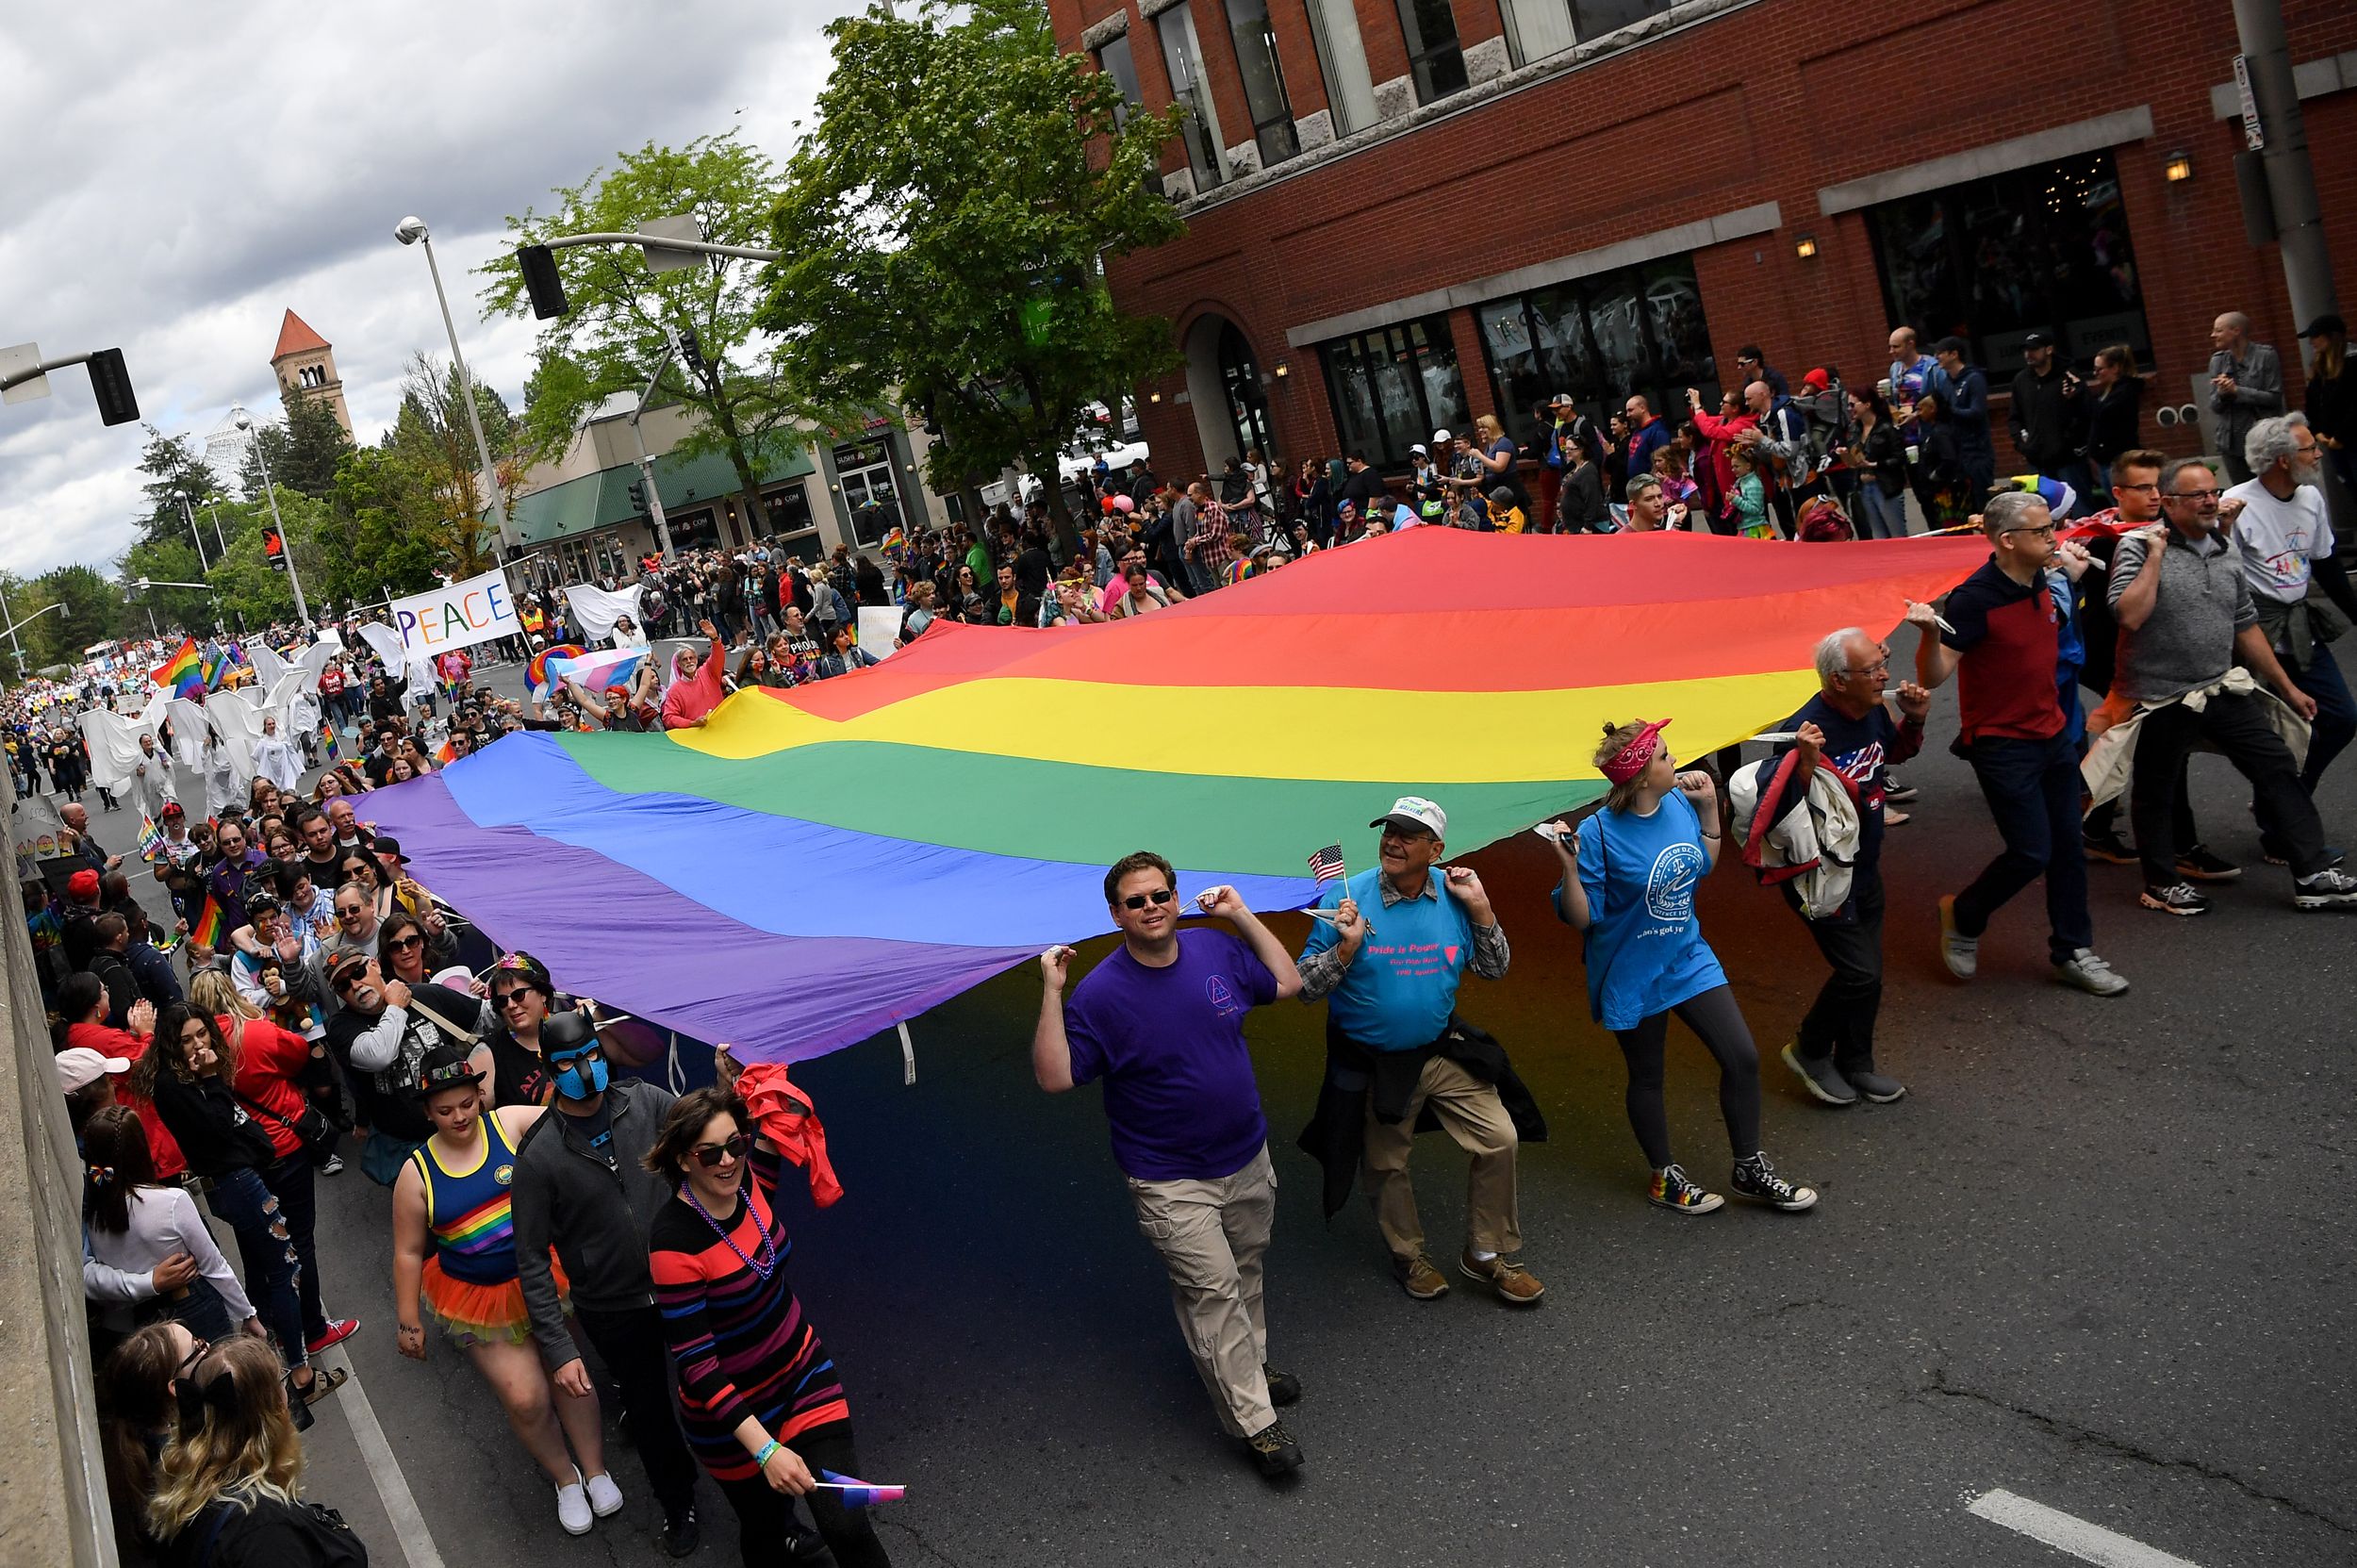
{"type": "Point", "coordinates": [710, 1155]}
{"type": "Point", "coordinates": [188, 1362]}
{"type": "Point", "coordinates": [412, 940]}
{"type": "Point", "coordinates": [1139, 901]}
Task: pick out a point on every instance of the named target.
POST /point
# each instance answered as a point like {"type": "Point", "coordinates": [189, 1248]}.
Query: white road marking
{"type": "Point", "coordinates": [2069, 1533]}
{"type": "Point", "coordinates": [392, 1487]}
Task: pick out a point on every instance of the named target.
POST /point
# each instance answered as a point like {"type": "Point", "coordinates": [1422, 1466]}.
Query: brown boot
{"type": "Point", "coordinates": [1516, 1285]}
{"type": "Point", "coordinates": [1419, 1279]}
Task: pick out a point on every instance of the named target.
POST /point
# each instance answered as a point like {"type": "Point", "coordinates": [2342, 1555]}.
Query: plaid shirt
{"type": "Point", "coordinates": [1212, 529]}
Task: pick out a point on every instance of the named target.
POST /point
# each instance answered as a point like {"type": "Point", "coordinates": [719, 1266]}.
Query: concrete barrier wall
{"type": "Point", "coordinates": [52, 1487]}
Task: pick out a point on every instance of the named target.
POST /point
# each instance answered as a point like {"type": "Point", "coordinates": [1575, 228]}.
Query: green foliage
{"type": "Point", "coordinates": [302, 450]}
{"type": "Point", "coordinates": [173, 472]}
{"type": "Point", "coordinates": [615, 331]}
{"type": "Point", "coordinates": [438, 491]}
{"type": "Point", "coordinates": [93, 611]}
{"type": "Point", "coordinates": [170, 560]}
{"type": "Point", "coordinates": [942, 227]}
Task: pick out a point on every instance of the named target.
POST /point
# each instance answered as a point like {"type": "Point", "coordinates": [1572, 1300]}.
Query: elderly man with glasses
{"type": "Point", "coordinates": [380, 1035]}
{"type": "Point", "coordinates": [2004, 633]}
{"type": "Point", "coordinates": [1848, 728]}
{"type": "Point", "coordinates": [2185, 619]}
{"type": "Point", "coordinates": [1160, 1023]}
{"type": "Point", "coordinates": [1390, 982]}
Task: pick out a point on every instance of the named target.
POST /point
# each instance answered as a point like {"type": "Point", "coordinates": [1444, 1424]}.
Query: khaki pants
{"type": "Point", "coordinates": [1211, 1236]}
{"type": "Point", "coordinates": [1471, 1114]}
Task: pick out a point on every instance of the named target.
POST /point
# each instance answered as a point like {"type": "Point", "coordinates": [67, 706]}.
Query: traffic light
{"type": "Point", "coordinates": [691, 350]}
{"type": "Point", "coordinates": [274, 548]}
{"type": "Point", "coordinates": [637, 498]}
{"type": "Point", "coordinates": [544, 288]}
{"type": "Point", "coordinates": [111, 383]}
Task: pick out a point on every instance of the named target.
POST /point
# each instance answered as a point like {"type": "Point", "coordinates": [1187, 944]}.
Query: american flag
{"type": "Point", "coordinates": [1326, 865]}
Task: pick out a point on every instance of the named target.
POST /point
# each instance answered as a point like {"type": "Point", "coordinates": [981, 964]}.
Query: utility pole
{"type": "Point", "coordinates": [645, 464]}
{"type": "Point", "coordinates": [270, 489]}
{"type": "Point", "coordinates": [2291, 178]}
{"type": "Point", "coordinates": [190, 513]}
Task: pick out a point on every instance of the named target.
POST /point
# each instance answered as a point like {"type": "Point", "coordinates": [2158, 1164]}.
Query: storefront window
{"type": "Point", "coordinates": [1992, 260]}
{"type": "Point", "coordinates": [1391, 388]}
{"type": "Point", "coordinates": [1639, 329]}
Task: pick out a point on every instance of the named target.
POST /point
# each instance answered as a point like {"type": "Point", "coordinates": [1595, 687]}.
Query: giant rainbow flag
{"type": "Point", "coordinates": [814, 864]}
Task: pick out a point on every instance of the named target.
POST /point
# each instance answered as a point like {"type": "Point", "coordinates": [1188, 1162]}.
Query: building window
{"type": "Point", "coordinates": [1342, 61]}
{"type": "Point", "coordinates": [1263, 80]}
{"type": "Point", "coordinates": [1183, 57]}
{"type": "Point", "coordinates": [1115, 60]}
{"type": "Point", "coordinates": [1992, 260]}
{"type": "Point", "coordinates": [1638, 329]}
{"type": "Point", "coordinates": [1433, 56]}
{"type": "Point", "coordinates": [788, 509]}
{"type": "Point", "coordinates": [1391, 388]}
{"type": "Point", "coordinates": [871, 495]}
{"type": "Point", "coordinates": [1593, 19]}
{"type": "Point", "coordinates": [312, 375]}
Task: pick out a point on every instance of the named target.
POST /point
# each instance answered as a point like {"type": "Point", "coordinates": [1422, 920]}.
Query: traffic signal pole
{"type": "Point", "coordinates": [2282, 142]}
{"type": "Point", "coordinates": [286, 546]}
{"type": "Point", "coordinates": [645, 464]}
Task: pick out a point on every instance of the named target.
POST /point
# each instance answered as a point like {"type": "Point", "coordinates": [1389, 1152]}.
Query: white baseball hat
{"type": "Point", "coordinates": [78, 1066]}
{"type": "Point", "coordinates": [1413, 811]}
{"type": "Point", "coordinates": [1419, 451]}
{"type": "Point", "coordinates": [1440, 437]}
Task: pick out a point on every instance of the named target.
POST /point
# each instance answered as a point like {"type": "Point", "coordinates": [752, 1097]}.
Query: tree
{"type": "Point", "coordinates": [93, 611]}
{"type": "Point", "coordinates": [942, 227]}
{"type": "Point", "coordinates": [623, 315]}
{"type": "Point", "coordinates": [303, 449]}
{"type": "Point", "coordinates": [174, 473]}
{"type": "Point", "coordinates": [373, 547]}
{"type": "Point", "coordinates": [170, 560]}
{"type": "Point", "coordinates": [431, 438]}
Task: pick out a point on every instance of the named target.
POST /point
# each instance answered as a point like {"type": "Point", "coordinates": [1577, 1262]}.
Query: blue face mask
{"type": "Point", "coordinates": [580, 1079]}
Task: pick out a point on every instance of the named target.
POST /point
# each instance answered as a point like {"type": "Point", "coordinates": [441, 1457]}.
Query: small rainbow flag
{"type": "Point", "coordinates": [182, 674]}
{"type": "Point", "coordinates": [209, 928]}
{"type": "Point", "coordinates": [329, 746]}
{"type": "Point", "coordinates": [151, 838]}
{"type": "Point", "coordinates": [859, 1494]}
{"type": "Point", "coordinates": [445, 754]}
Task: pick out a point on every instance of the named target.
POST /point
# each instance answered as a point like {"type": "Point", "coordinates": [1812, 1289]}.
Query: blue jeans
{"type": "Point", "coordinates": [2335, 723]}
{"type": "Point", "coordinates": [1880, 516]}
{"type": "Point", "coordinates": [242, 1202]}
{"type": "Point", "coordinates": [2032, 787]}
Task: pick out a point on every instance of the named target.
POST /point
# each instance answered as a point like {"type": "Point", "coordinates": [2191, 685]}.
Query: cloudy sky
{"type": "Point", "coordinates": [183, 175]}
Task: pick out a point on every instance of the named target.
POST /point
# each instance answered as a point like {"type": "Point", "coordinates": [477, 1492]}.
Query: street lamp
{"type": "Point", "coordinates": [17, 647]}
{"type": "Point", "coordinates": [144, 583]}
{"type": "Point", "coordinates": [412, 231]}
{"type": "Point", "coordinates": [245, 421]}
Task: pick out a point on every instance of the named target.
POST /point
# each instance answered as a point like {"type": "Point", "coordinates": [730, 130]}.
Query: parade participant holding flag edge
{"type": "Point", "coordinates": [1161, 1022]}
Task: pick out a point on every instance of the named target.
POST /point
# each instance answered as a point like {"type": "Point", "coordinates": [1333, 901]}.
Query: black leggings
{"type": "Point", "coordinates": [1714, 1018]}
{"type": "Point", "coordinates": [764, 1518]}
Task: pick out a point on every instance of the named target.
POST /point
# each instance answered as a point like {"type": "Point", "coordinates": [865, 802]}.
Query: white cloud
{"type": "Point", "coordinates": [179, 185]}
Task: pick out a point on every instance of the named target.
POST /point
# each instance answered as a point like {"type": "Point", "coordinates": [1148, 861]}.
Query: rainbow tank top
{"type": "Point", "coordinates": [466, 1212]}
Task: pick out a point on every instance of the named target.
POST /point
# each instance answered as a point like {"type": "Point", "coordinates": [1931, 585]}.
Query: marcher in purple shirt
{"type": "Point", "coordinates": [1160, 1023]}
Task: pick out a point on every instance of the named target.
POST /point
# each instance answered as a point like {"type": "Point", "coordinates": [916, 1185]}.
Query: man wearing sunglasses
{"type": "Point", "coordinates": [2009, 627]}
{"type": "Point", "coordinates": [582, 1186]}
{"type": "Point", "coordinates": [2186, 619]}
{"type": "Point", "coordinates": [379, 1035]}
{"type": "Point", "coordinates": [1391, 1024]}
{"type": "Point", "coordinates": [1161, 1022]}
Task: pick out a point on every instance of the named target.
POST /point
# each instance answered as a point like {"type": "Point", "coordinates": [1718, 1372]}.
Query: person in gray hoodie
{"type": "Point", "coordinates": [582, 1188]}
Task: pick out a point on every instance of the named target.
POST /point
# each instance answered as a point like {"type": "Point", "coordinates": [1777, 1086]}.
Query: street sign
{"type": "Point", "coordinates": [2254, 136]}
{"type": "Point", "coordinates": [662, 258]}
{"type": "Point", "coordinates": [15, 361]}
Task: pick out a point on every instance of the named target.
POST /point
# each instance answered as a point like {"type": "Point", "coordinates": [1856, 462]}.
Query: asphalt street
{"type": "Point", "coordinates": [2099, 1257]}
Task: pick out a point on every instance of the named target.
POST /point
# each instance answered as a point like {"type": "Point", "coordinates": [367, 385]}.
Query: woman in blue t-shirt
{"type": "Point", "coordinates": [1629, 875]}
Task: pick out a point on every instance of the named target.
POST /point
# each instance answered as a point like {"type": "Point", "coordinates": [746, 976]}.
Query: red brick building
{"type": "Point", "coordinates": [1405, 213]}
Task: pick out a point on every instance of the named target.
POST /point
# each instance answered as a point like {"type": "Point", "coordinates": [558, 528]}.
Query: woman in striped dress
{"type": "Point", "coordinates": [454, 1246]}
{"type": "Point", "coordinates": [759, 1396]}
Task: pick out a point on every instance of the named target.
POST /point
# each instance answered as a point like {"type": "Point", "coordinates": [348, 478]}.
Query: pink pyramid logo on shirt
{"type": "Point", "coordinates": [1451, 951]}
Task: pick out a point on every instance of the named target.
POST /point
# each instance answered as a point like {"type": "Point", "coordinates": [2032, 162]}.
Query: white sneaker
{"type": "Point", "coordinates": [604, 1496]}
{"type": "Point", "coordinates": [572, 1507]}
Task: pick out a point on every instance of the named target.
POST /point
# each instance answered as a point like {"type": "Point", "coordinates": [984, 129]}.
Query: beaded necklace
{"type": "Point", "coordinates": [769, 1247]}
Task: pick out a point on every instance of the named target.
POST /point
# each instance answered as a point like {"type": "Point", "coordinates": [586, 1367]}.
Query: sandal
{"type": "Point", "coordinates": [324, 1381]}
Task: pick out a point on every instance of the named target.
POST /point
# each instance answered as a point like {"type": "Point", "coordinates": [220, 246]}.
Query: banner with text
{"type": "Point", "coordinates": [463, 614]}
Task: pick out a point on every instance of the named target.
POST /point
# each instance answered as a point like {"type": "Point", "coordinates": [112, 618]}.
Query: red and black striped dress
{"type": "Point", "coordinates": [741, 1341]}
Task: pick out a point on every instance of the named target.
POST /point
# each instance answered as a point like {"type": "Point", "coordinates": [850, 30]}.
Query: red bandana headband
{"type": "Point", "coordinates": [1633, 758]}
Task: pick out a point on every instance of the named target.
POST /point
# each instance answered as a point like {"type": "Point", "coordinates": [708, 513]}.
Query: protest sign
{"type": "Point", "coordinates": [458, 616]}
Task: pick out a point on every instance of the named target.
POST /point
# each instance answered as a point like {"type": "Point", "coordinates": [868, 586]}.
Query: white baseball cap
{"type": "Point", "coordinates": [1413, 811]}
{"type": "Point", "coordinates": [78, 1066]}
{"type": "Point", "coordinates": [1562, 400]}
{"type": "Point", "coordinates": [1440, 437]}
{"type": "Point", "coordinates": [1418, 448]}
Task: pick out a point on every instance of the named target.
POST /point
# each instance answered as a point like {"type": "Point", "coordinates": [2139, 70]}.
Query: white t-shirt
{"type": "Point", "coordinates": [2278, 539]}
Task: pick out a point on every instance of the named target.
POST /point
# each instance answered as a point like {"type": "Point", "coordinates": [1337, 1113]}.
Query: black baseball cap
{"type": "Point", "coordinates": [446, 1067]}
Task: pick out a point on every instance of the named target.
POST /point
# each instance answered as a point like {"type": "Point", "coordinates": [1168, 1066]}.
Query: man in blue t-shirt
{"type": "Point", "coordinates": [1846, 728]}
{"type": "Point", "coordinates": [1160, 1023]}
{"type": "Point", "coordinates": [1391, 989]}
